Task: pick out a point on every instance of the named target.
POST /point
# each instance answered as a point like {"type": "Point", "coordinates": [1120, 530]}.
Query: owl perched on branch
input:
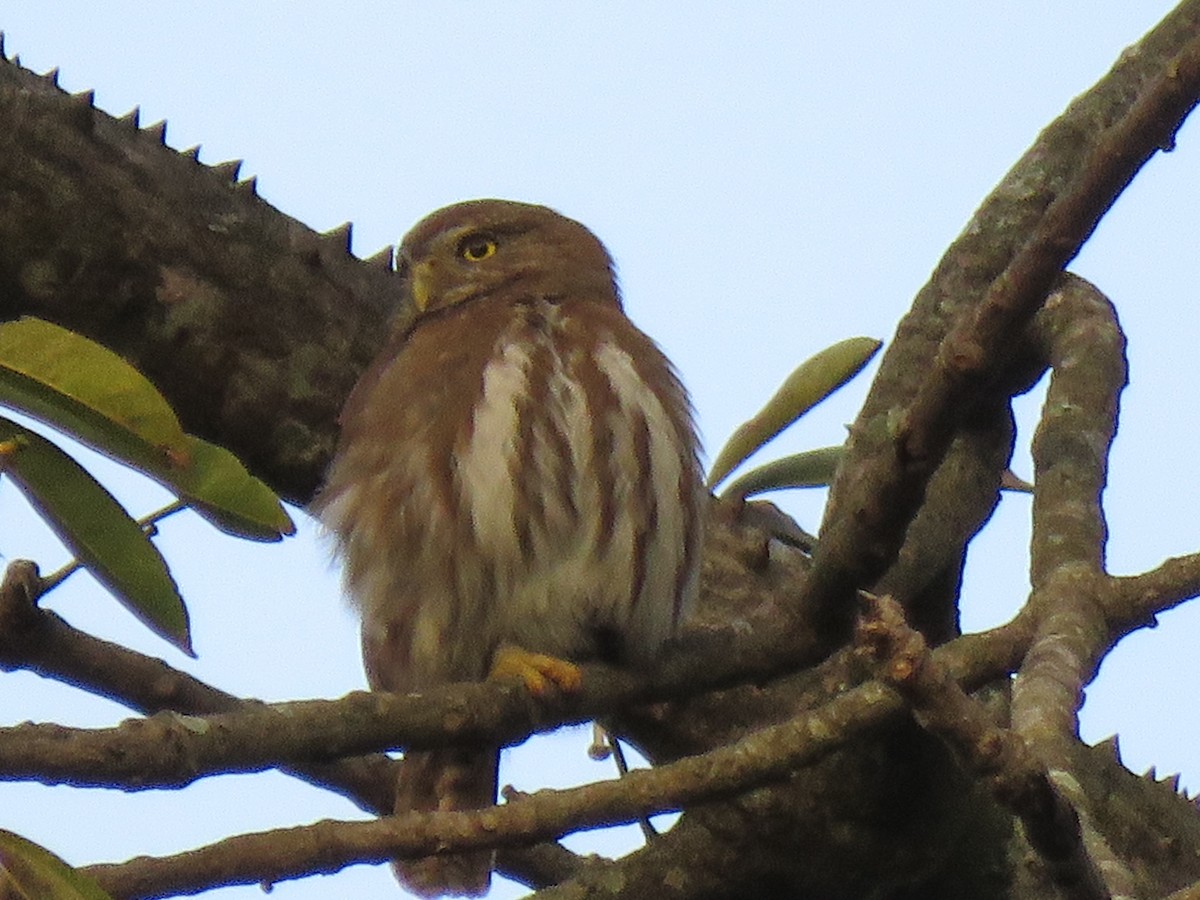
{"type": "Point", "coordinates": [516, 487]}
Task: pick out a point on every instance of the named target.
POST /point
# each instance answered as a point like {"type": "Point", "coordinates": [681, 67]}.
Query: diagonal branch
{"type": "Point", "coordinates": [1030, 228]}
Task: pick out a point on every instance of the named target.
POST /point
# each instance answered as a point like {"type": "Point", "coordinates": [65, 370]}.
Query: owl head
{"type": "Point", "coordinates": [482, 248]}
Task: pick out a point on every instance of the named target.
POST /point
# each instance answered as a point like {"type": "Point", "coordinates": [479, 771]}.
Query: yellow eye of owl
{"type": "Point", "coordinates": [476, 247]}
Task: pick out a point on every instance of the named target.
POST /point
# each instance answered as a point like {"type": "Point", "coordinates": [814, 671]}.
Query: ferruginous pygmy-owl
{"type": "Point", "coordinates": [516, 486]}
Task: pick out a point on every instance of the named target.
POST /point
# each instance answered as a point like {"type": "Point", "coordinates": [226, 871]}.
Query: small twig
{"type": "Point", "coordinates": [149, 522]}
{"type": "Point", "coordinates": [1134, 601]}
{"type": "Point", "coordinates": [61, 574]}
{"type": "Point", "coordinates": [649, 832]}
{"type": "Point", "coordinates": [604, 744]}
{"type": "Point", "coordinates": [599, 749]}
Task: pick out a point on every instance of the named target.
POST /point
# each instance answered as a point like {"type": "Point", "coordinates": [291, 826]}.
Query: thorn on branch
{"type": "Point", "coordinates": [228, 169]}
{"type": "Point", "coordinates": [157, 132]}
{"type": "Point", "coordinates": [81, 109]}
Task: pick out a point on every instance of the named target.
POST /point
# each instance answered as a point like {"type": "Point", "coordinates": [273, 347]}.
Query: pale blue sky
{"type": "Point", "coordinates": [770, 178]}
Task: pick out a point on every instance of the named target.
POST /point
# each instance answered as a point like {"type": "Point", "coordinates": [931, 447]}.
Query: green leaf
{"type": "Point", "coordinates": [92, 394]}
{"type": "Point", "coordinates": [97, 530]}
{"type": "Point", "coordinates": [816, 468]}
{"type": "Point", "coordinates": [218, 487]}
{"type": "Point", "coordinates": [86, 390]}
{"type": "Point", "coordinates": [812, 381]}
{"type": "Point", "coordinates": [37, 874]}
{"type": "Point", "coordinates": [812, 468]}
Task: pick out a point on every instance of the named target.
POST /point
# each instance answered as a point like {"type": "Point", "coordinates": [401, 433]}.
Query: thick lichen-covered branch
{"type": "Point", "coordinates": [253, 325]}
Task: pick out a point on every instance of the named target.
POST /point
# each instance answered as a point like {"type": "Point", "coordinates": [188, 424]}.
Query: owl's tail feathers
{"type": "Point", "coordinates": [442, 780]}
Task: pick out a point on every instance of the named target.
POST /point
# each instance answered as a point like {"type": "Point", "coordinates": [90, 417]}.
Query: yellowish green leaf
{"type": "Point", "coordinates": [812, 381]}
{"type": "Point", "coordinates": [86, 390]}
{"type": "Point", "coordinates": [92, 394]}
{"type": "Point", "coordinates": [812, 468]}
{"type": "Point", "coordinates": [218, 487]}
{"type": "Point", "coordinates": [34, 873]}
{"type": "Point", "coordinates": [96, 529]}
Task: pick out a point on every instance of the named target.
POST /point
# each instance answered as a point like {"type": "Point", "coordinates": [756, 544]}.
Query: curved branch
{"type": "Point", "coordinates": [1082, 342]}
{"type": "Point", "coordinates": [1086, 350]}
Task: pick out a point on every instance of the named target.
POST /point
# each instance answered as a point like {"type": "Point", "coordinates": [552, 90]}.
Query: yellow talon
{"type": "Point", "coordinates": [537, 671]}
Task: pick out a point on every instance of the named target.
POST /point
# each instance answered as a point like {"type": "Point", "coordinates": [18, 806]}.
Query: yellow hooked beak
{"type": "Point", "coordinates": [423, 283]}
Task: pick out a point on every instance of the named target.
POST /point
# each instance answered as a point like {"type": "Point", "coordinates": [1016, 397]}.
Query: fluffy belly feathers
{"type": "Point", "coordinates": [558, 513]}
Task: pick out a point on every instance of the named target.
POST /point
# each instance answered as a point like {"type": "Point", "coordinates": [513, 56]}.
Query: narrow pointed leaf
{"type": "Point", "coordinates": [812, 468]}
{"type": "Point", "coordinates": [38, 874]}
{"type": "Point", "coordinates": [86, 390]}
{"type": "Point", "coordinates": [812, 381]}
{"type": "Point", "coordinates": [97, 530]}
